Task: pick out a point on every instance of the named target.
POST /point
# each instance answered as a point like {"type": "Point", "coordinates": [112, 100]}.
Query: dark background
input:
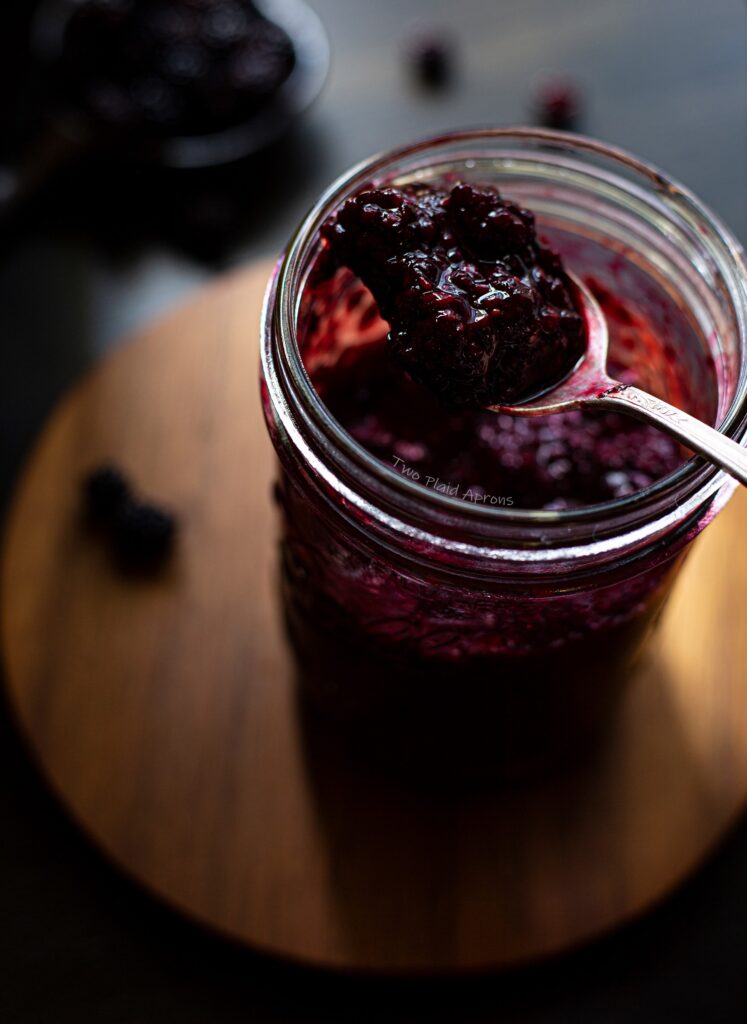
{"type": "Point", "coordinates": [102, 248]}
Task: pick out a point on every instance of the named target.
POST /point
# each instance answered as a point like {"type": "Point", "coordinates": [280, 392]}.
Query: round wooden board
{"type": "Point", "coordinates": [162, 711]}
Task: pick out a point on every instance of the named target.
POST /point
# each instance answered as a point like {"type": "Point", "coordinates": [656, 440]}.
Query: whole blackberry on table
{"type": "Point", "coordinates": [143, 535]}
{"type": "Point", "coordinates": [140, 534]}
{"type": "Point", "coordinates": [557, 103]}
{"type": "Point", "coordinates": [106, 490]}
{"type": "Point", "coordinates": [431, 56]}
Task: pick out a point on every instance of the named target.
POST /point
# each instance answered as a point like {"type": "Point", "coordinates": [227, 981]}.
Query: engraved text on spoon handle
{"type": "Point", "coordinates": [693, 433]}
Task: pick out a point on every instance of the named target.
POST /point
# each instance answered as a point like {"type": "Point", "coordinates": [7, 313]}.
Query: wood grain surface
{"type": "Point", "coordinates": [162, 711]}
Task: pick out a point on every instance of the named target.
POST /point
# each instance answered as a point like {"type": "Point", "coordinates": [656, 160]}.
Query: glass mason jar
{"type": "Point", "coordinates": [471, 637]}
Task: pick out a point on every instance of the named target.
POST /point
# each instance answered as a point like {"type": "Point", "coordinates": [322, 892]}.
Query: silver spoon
{"type": "Point", "coordinates": [590, 387]}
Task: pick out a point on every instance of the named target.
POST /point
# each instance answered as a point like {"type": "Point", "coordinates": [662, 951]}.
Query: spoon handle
{"type": "Point", "coordinates": [693, 433]}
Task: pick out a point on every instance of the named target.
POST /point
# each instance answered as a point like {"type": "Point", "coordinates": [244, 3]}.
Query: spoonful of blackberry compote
{"type": "Point", "coordinates": [484, 315]}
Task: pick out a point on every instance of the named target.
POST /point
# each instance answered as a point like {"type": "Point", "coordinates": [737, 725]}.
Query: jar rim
{"type": "Point", "coordinates": [694, 477]}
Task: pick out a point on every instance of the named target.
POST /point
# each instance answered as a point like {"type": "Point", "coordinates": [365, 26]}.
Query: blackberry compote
{"type": "Point", "coordinates": [479, 310]}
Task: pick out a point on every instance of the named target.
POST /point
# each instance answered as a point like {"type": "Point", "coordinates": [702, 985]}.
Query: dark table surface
{"type": "Point", "coordinates": [101, 249]}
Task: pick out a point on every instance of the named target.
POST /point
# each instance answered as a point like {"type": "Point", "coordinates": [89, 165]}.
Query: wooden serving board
{"type": "Point", "coordinates": [162, 711]}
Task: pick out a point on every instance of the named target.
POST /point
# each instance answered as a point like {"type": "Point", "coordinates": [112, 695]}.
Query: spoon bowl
{"type": "Point", "coordinates": [588, 378]}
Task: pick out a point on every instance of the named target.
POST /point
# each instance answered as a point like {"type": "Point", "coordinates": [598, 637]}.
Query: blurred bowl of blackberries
{"type": "Point", "coordinates": [188, 82]}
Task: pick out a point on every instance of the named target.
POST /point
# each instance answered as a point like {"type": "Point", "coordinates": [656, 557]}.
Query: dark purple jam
{"type": "Point", "coordinates": [555, 462]}
{"type": "Point", "coordinates": [172, 66]}
{"type": "Point", "coordinates": [479, 311]}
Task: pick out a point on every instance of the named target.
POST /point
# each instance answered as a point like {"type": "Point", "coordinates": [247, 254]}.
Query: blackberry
{"type": "Point", "coordinates": [106, 490]}
{"type": "Point", "coordinates": [557, 104]}
{"type": "Point", "coordinates": [431, 57]}
{"type": "Point", "coordinates": [143, 535]}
